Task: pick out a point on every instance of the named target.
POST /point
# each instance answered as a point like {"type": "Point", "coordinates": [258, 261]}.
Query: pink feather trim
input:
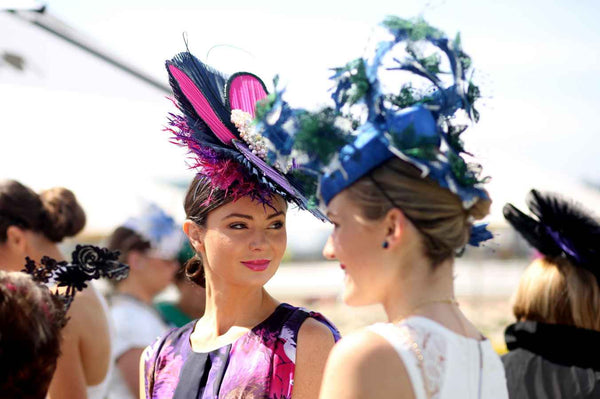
{"type": "Point", "coordinates": [245, 90]}
{"type": "Point", "coordinates": [201, 105]}
{"type": "Point", "coordinates": [223, 173]}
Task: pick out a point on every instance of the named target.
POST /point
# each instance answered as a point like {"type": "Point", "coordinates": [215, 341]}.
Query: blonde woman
{"type": "Point", "coordinates": [553, 344]}
{"type": "Point", "coordinates": [403, 201]}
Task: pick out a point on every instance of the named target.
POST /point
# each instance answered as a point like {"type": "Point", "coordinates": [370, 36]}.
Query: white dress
{"type": "Point", "coordinates": [442, 364]}
{"type": "Point", "coordinates": [137, 325]}
{"type": "Point", "coordinates": [99, 391]}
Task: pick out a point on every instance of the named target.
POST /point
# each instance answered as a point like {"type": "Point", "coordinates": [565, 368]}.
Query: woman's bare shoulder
{"type": "Point", "coordinates": [365, 365]}
{"type": "Point", "coordinates": [87, 302]}
{"type": "Point", "coordinates": [314, 330]}
{"type": "Point", "coordinates": [87, 314]}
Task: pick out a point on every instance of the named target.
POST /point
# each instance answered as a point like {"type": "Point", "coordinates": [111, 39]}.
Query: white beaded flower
{"type": "Point", "coordinates": [256, 142]}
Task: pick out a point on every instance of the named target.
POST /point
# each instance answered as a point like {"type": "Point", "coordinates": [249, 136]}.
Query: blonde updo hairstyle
{"type": "Point", "coordinates": [436, 212]}
{"type": "Point", "coordinates": [554, 291]}
{"type": "Point", "coordinates": [55, 213]}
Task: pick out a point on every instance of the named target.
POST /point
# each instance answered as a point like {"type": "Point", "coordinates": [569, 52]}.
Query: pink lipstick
{"type": "Point", "coordinates": [257, 265]}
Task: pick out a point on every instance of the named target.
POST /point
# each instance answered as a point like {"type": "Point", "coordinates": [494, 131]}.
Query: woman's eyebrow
{"type": "Point", "coordinates": [238, 215]}
{"type": "Point", "coordinates": [275, 215]}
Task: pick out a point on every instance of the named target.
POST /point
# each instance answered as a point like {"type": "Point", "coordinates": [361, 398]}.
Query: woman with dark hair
{"type": "Point", "coordinates": [553, 344]}
{"type": "Point", "coordinates": [247, 344]}
{"type": "Point", "coordinates": [32, 316]}
{"type": "Point", "coordinates": [32, 225]}
{"type": "Point", "coordinates": [149, 244]}
{"type": "Point", "coordinates": [30, 336]}
{"type": "Point", "coordinates": [403, 201]}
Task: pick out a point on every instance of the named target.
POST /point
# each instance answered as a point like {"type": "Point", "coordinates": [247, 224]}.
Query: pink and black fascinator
{"type": "Point", "coordinates": [217, 124]}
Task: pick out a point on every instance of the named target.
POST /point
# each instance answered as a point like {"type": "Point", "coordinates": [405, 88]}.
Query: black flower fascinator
{"type": "Point", "coordinates": [88, 263]}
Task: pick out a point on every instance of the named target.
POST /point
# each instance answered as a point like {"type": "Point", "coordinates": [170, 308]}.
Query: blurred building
{"type": "Point", "coordinates": [73, 114]}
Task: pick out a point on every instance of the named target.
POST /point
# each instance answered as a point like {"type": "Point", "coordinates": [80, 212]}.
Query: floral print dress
{"type": "Point", "coordinates": [259, 364]}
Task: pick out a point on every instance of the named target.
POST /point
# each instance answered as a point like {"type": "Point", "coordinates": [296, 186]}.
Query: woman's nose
{"type": "Point", "coordinates": [258, 241]}
{"type": "Point", "coordinates": [328, 251]}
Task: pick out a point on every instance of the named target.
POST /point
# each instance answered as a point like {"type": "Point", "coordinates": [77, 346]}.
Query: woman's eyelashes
{"type": "Point", "coordinates": [238, 226]}
{"type": "Point", "coordinates": [279, 224]}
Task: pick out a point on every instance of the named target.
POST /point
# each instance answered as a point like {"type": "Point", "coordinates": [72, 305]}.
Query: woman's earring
{"type": "Point", "coordinates": [385, 245]}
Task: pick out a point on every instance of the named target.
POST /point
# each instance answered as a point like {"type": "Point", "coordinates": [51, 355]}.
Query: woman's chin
{"type": "Point", "coordinates": [260, 278]}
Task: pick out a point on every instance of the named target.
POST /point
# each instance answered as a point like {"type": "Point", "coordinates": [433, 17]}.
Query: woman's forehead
{"type": "Point", "coordinates": [340, 203]}
{"type": "Point", "coordinates": [250, 207]}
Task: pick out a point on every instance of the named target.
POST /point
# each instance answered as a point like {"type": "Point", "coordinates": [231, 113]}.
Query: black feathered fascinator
{"type": "Point", "coordinates": [88, 263]}
{"type": "Point", "coordinates": [560, 228]}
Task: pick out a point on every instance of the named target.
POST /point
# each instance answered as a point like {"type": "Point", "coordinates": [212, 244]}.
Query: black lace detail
{"type": "Point", "coordinates": [88, 263]}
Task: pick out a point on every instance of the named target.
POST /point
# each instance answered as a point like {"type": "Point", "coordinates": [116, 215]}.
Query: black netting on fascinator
{"type": "Point", "coordinates": [559, 227]}
{"type": "Point", "coordinates": [88, 263]}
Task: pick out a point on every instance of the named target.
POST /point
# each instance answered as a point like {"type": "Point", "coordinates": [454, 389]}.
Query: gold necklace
{"type": "Point", "coordinates": [449, 301]}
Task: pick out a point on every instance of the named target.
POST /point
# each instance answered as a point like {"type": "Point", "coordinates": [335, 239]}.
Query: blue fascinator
{"type": "Point", "coordinates": [558, 228]}
{"type": "Point", "coordinates": [158, 228]}
{"type": "Point", "coordinates": [418, 121]}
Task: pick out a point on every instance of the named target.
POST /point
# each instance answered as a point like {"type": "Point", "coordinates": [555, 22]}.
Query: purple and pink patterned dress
{"type": "Point", "coordinates": [259, 364]}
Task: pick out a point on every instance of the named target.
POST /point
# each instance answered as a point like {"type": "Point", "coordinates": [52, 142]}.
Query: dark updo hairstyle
{"type": "Point", "coordinates": [55, 213]}
{"type": "Point", "coordinates": [31, 320]}
{"type": "Point", "coordinates": [436, 212]}
{"type": "Point", "coordinates": [201, 199]}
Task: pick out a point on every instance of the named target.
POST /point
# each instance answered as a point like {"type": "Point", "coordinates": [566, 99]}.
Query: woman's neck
{"type": "Point", "coordinates": [422, 289]}
{"type": "Point", "coordinates": [52, 251]}
{"type": "Point", "coordinates": [135, 290]}
{"type": "Point", "coordinates": [230, 306]}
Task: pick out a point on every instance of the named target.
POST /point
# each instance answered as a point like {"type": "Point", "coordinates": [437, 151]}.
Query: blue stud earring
{"type": "Point", "coordinates": [385, 245]}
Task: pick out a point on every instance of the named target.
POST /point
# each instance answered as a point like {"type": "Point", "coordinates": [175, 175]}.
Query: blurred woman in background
{"type": "Point", "coordinates": [32, 315]}
{"type": "Point", "coordinates": [30, 336]}
{"type": "Point", "coordinates": [554, 343]}
{"type": "Point", "coordinates": [149, 244]}
{"type": "Point", "coordinates": [32, 225]}
{"type": "Point", "coordinates": [190, 300]}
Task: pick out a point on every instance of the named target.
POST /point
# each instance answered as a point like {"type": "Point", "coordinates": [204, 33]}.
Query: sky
{"type": "Point", "coordinates": [537, 62]}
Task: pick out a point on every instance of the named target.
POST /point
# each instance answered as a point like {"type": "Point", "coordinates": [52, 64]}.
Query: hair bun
{"type": "Point", "coordinates": [65, 217]}
{"type": "Point", "coordinates": [480, 209]}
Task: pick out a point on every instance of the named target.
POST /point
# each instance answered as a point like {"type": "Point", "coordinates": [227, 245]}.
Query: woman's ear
{"type": "Point", "coordinates": [16, 239]}
{"type": "Point", "coordinates": [15, 249]}
{"type": "Point", "coordinates": [395, 225]}
{"type": "Point", "coordinates": [134, 259]}
{"type": "Point", "coordinates": [195, 234]}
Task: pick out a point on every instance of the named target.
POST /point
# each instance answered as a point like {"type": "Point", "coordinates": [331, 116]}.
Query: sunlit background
{"type": "Point", "coordinates": [83, 102]}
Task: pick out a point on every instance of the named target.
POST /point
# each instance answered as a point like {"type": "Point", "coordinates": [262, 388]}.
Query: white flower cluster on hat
{"type": "Point", "coordinates": [256, 142]}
